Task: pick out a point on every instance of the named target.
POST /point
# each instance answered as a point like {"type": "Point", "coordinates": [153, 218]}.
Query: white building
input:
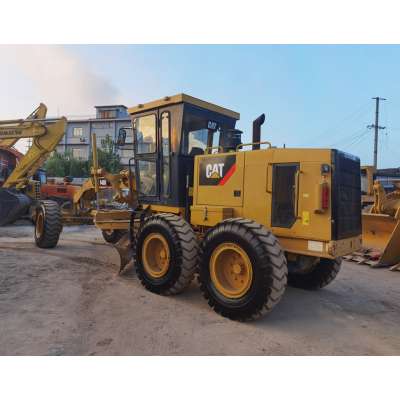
{"type": "Point", "coordinates": [109, 119]}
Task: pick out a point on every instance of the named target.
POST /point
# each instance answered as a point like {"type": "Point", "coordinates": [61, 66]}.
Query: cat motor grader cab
{"type": "Point", "coordinates": [246, 219]}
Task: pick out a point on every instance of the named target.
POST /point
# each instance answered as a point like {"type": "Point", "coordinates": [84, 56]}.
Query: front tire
{"type": "Point", "coordinates": [243, 269]}
{"type": "Point", "coordinates": [48, 224]}
{"type": "Point", "coordinates": [166, 254]}
{"type": "Point", "coordinates": [322, 274]}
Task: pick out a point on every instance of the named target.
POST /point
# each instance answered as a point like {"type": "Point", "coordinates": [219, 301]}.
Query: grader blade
{"type": "Point", "coordinates": [381, 233]}
{"type": "Point", "coordinates": [124, 249]}
{"type": "Point", "coordinates": [13, 205]}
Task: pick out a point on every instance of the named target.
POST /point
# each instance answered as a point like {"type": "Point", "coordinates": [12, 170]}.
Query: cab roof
{"type": "Point", "coordinates": [183, 98]}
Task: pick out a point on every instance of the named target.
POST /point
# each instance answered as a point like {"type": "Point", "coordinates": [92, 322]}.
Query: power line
{"type": "Point", "coordinates": [353, 115]}
{"type": "Point", "coordinates": [348, 139]}
{"type": "Point", "coordinates": [358, 140]}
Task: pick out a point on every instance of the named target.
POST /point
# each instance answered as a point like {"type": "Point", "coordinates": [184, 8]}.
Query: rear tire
{"type": "Point", "coordinates": [112, 236]}
{"type": "Point", "coordinates": [48, 224]}
{"type": "Point", "coordinates": [321, 275]}
{"type": "Point", "coordinates": [243, 270]}
{"type": "Point", "coordinates": [166, 254]}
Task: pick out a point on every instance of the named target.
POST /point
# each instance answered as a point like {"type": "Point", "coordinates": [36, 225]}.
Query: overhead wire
{"type": "Point", "coordinates": [363, 109]}
{"type": "Point", "coordinates": [349, 139]}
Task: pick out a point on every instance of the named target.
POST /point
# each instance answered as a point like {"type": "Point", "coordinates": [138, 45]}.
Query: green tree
{"type": "Point", "coordinates": [107, 157]}
{"type": "Point", "coordinates": [56, 165]}
{"type": "Point", "coordinates": [63, 164]}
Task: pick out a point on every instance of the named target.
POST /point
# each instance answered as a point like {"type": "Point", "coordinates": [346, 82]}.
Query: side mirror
{"type": "Point", "coordinates": [121, 137]}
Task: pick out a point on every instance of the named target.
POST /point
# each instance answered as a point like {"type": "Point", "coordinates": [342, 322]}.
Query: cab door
{"type": "Point", "coordinates": [146, 147]}
{"type": "Point", "coordinates": [152, 145]}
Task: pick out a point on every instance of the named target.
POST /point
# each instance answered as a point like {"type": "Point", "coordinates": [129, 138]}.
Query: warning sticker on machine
{"type": "Point", "coordinates": [315, 246]}
{"type": "Point", "coordinates": [217, 170]}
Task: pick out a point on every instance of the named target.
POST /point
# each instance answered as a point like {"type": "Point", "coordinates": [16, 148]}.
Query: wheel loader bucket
{"type": "Point", "coordinates": [13, 205]}
{"type": "Point", "coordinates": [382, 233]}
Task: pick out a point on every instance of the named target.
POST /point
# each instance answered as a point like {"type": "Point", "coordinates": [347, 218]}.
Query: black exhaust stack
{"type": "Point", "coordinates": [257, 131]}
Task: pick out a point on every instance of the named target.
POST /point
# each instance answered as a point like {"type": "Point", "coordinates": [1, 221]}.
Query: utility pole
{"type": "Point", "coordinates": [376, 127]}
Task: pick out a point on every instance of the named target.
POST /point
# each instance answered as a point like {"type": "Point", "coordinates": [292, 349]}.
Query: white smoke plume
{"type": "Point", "coordinates": [59, 77]}
{"type": "Point", "coordinates": [51, 74]}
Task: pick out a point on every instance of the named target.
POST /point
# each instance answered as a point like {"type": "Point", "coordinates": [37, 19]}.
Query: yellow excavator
{"type": "Point", "coordinates": [19, 191]}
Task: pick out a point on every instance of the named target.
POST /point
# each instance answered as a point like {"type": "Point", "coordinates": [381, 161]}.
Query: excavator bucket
{"type": "Point", "coordinates": [381, 235]}
{"type": "Point", "coordinates": [13, 205]}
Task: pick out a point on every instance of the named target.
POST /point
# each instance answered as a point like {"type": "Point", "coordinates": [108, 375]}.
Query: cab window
{"type": "Point", "coordinates": [145, 134]}
{"type": "Point", "coordinates": [165, 129]}
{"type": "Point", "coordinates": [147, 177]}
{"type": "Point", "coordinates": [197, 140]}
{"type": "Point", "coordinates": [196, 134]}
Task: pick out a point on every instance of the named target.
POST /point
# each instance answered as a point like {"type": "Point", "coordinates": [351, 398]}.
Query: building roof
{"type": "Point", "coordinates": [72, 121]}
{"type": "Point", "coordinates": [183, 98]}
{"type": "Point", "coordinates": [111, 106]}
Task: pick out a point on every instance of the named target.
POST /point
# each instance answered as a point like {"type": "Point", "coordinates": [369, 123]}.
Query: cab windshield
{"type": "Point", "coordinates": [198, 134]}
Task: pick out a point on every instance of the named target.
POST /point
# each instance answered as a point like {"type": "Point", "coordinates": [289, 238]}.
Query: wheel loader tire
{"type": "Point", "coordinates": [321, 275]}
{"type": "Point", "coordinates": [243, 269]}
{"type": "Point", "coordinates": [48, 224]}
{"type": "Point", "coordinates": [112, 236]}
{"type": "Point", "coordinates": [165, 254]}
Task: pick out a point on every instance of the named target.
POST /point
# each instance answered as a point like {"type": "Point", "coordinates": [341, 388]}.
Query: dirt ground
{"type": "Point", "coordinates": [71, 301]}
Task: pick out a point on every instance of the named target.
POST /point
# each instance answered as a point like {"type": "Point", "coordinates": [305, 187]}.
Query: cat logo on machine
{"type": "Point", "coordinates": [214, 171]}
{"type": "Point", "coordinates": [217, 170]}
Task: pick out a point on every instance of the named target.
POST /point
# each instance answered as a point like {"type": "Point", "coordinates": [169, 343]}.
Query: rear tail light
{"type": "Point", "coordinates": [325, 196]}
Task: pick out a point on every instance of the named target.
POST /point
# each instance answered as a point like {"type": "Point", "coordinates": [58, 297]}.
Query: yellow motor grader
{"type": "Point", "coordinates": [247, 218]}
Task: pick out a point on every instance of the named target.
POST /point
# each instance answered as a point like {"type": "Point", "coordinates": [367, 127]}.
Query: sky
{"type": "Point", "coordinates": [312, 95]}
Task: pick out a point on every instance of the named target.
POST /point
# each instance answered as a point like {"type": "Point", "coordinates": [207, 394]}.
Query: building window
{"type": "Point", "coordinates": [77, 132]}
{"type": "Point", "coordinates": [102, 125]}
{"type": "Point", "coordinates": [77, 153]}
{"type": "Point", "coordinates": [107, 114]}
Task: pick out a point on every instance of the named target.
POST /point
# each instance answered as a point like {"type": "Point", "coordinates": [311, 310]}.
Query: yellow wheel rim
{"type": "Point", "coordinates": [39, 224]}
{"type": "Point", "coordinates": [231, 270]}
{"type": "Point", "coordinates": [155, 255]}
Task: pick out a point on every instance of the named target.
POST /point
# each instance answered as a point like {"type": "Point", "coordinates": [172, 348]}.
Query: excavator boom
{"type": "Point", "coordinates": [38, 153]}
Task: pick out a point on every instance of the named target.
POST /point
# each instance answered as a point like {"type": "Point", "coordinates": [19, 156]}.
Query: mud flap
{"type": "Point", "coordinates": [13, 205]}
{"type": "Point", "coordinates": [382, 233]}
